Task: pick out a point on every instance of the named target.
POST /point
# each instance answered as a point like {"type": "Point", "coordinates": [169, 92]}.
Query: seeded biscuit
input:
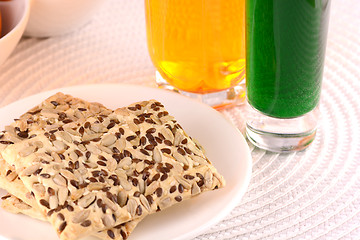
{"type": "Point", "coordinates": [140, 161]}
{"type": "Point", "coordinates": [19, 200]}
{"type": "Point", "coordinates": [57, 112]}
{"type": "Point", "coordinates": [15, 205]}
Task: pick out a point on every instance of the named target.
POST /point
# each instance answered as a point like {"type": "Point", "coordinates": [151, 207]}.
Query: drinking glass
{"type": "Point", "coordinates": [285, 44]}
{"type": "Point", "coordinates": [198, 48]}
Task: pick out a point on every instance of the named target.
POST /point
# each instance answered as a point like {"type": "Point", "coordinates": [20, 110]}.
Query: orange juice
{"type": "Point", "coordinates": [197, 46]}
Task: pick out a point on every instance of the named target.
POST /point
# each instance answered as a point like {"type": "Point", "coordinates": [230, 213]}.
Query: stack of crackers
{"type": "Point", "coordinates": [90, 170]}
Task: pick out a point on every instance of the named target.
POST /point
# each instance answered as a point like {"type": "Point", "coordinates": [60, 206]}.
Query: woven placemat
{"type": "Point", "coordinates": [314, 194]}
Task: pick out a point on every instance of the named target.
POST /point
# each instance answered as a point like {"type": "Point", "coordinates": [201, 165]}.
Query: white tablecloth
{"type": "Point", "coordinates": [313, 194]}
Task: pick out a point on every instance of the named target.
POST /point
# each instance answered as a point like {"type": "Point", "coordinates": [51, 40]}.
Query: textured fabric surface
{"type": "Point", "coordinates": [313, 194]}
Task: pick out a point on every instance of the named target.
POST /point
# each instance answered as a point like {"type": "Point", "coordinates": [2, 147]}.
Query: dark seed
{"type": "Point", "coordinates": [139, 210]}
{"type": "Point", "coordinates": [143, 151]}
{"type": "Point", "coordinates": [161, 136]}
{"type": "Point", "coordinates": [104, 172]}
{"type": "Point", "coordinates": [138, 106]}
{"type": "Point", "coordinates": [62, 226]}
{"type": "Point", "coordinates": [188, 150]}
{"type": "Point", "coordinates": [5, 197]}
{"type": "Point", "coordinates": [92, 179]}
{"type": "Point", "coordinates": [37, 171]}
{"type": "Point", "coordinates": [142, 140]}
{"type": "Point", "coordinates": [158, 140]}
{"type": "Point", "coordinates": [83, 185]}
{"type": "Point", "coordinates": [151, 130]}
{"type": "Point", "coordinates": [35, 112]}
{"type": "Point", "coordinates": [189, 177]}
{"type": "Point", "coordinates": [70, 208]}
{"type": "Point", "coordinates": [86, 223]}
{"type": "Point", "coordinates": [6, 142]}
{"type": "Point", "coordinates": [115, 150]}
{"type": "Point", "coordinates": [172, 189]}
{"type": "Point", "coordinates": [50, 212]}
{"type": "Point", "coordinates": [135, 182]}
{"type": "Point", "coordinates": [58, 209]}
{"type": "Point", "coordinates": [45, 175]}
{"type": "Point", "coordinates": [118, 135]}
{"type": "Point", "coordinates": [111, 125]}
{"type": "Point", "coordinates": [145, 175]}
{"type": "Point", "coordinates": [149, 199]}
{"type": "Point", "coordinates": [169, 166]}
{"type": "Point", "coordinates": [200, 183]}
{"type": "Point", "coordinates": [167, 142]}
{"type": "Point", "coordinates": [78, 152]}
{"type": "Point", "coordinates": [74, 183]}
{"type": "Point", "coordinates": [44, 203]}
{"type": "Point", "coordinates": [155, 177]}
{"type": "Point", "coordinates": [111, 234]}
{"type": "Point", "coordinates": [67, 121]}
{"type": "Point", "coordinates": [199, 175]}
{"type": "Point", "coordinates": [101, 179]}
{"type": "Point", "coordinates": [95, 173]}
{"type": "Point", "coordinates": [54, 103]}
{"type": "Point", "coordinates": [181, 151]}
{"type": "Point", "coordinates": [23, 134]}
{"type": "Point", "coordinates": [123, 234]}
{"type": "Point", "coordinates": [127, 153]}
{"type": "Point", "coordinates": [51, 191]}
{"type": "Point", "coordinates": [149, 136]}
{"type": "Point", "coordinates": [181, 188]}
{"type": "Point", "coordinates": [158, 192]}
{"type": "Point", "coordinates": [149, 147]}
{"type": "Point", "coordinates": [150, 121]}
{"type": "Point", "coordinates": [164, 177]}
{"type": "Point", "coordinates": [131, 137]}
{"type": "Point", "coordinates": [101, 163]}
{"type": "Point", "coordinates": [61, 216]}
{"type": "Point", "coordinates": [166, 150]}
{"type": "Point", "coordinates": [99, 203]}
{"type": "Point", "coordinates": [178, 198]}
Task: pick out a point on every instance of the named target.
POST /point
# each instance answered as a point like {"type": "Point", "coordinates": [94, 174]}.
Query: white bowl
{"type": "Point", "coordinates": [15, 15]}
{"type": "Point", "coordinates": [56, 17]}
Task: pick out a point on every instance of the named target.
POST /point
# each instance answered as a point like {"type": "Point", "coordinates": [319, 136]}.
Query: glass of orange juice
{"type": "Point", "coordinates": [198, 48]}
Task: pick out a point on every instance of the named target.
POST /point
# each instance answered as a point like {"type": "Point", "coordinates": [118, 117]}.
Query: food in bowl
{"type": "Point", "coordinates": [14, 17]}
{"type": "Point", "coordinates": [0, 17]}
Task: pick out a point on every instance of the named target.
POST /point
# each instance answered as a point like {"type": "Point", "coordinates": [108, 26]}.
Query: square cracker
{"type": "Point", "coordinates": [62, 111]}
{"type": "Point", "coordinates": [15, 205]}
{"type": "Point", "coordinates": [20, 200]}
{"type": "Point", "coordinates": [110, 168]}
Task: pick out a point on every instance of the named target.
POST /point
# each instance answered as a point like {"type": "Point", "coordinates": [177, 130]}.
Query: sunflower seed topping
{"type": "Point", "coordinates": [91, 169]}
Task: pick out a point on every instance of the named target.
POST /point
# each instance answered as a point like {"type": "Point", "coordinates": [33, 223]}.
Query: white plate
{"type": "Point", "coordinates": [224, 145]}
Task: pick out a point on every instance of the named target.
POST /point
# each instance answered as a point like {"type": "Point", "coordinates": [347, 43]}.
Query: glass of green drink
{"type": "Point", "coordinates": [285, 45]}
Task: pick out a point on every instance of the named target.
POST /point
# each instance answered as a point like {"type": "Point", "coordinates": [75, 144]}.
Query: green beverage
{"type": "Point", "coordinates": [286, 41]}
